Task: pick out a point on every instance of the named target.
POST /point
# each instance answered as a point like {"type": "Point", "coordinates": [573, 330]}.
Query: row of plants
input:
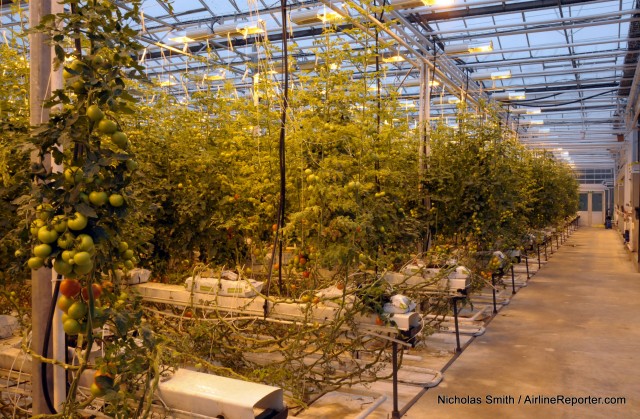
{"type": "Point", "coordinates": [165, 184]}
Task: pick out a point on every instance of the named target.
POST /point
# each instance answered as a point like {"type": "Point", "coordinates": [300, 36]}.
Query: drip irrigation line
{"type": "Point", "coordinates": [45, 347]}
{"type": "Point", "coordinates": [282, 163]}
{"type": "Point", "coordinates": [564, 103]}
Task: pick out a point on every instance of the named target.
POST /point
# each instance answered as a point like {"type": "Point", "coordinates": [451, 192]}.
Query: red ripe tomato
{"type": "Point", "coordinates": [70, 287]}
{"type": "Point", "coordinates": [97, 292]}
{"type": "Point", "coordinates": [306, 274]}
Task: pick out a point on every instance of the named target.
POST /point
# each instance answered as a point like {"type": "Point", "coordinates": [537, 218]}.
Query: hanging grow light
{"type": "Point", "coordinates": [330, 16]}
{"type": "Point", "coordinates": [199, 34]}
{"type": "Point", "coordinates": [527, 111]}
{"type": "Point", "coordinates": [451, 100]}
{"type": "Point", "coordinates": [407, 104]}
{"type": "Point", "coordinates": [469, 48]}
{"type": "Point", "coordinates": [491, 75]}
{"type": "Point", "coordinates": [397, 58]}
{"type": "Point", "coordinates": [226, 30]}
{"type": "Point", "coordinates": [407, 4]}
{"type": "Point", "coordinates": [217, 76]}
{"type": "Point", "coordinates": [181, 37]}
{"type": "Point", "coordinates": [317, 15]}
{"type": "Point", "coordinates": [252, 28]}
{"type": "Point", "coordinates": [168, 82]}
{"type": "Point", "coordinates": [505, 96]}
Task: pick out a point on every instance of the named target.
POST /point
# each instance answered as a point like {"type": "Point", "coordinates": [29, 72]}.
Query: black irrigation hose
{"type": "Point", "coordinates": [283, 130]}
{"type": "Point", "coordinates": [45, 348]}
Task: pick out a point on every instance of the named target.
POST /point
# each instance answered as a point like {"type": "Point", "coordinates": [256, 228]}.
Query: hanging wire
{"type": "Point", "coordinates": [277, 244]}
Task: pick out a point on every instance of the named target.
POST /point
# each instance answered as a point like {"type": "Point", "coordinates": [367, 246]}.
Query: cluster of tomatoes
{"type": "Point", "coordinates": [299, 264]}
{"type": "Point", "coordinates": [74, 302]}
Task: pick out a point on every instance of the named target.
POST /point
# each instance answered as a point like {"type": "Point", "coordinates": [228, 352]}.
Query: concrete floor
{"type": "Point", "coordinates": [573, 331]}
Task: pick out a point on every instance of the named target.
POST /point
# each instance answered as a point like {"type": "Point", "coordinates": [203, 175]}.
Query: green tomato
{"type": "Point", "coordinates": [94, 113]}
{"type": "Point", "coordinates": [116, 200]}
{"type": "Point", "coordinates": [47, 235]}
{"type": "Point", "coordinates": [44, 211]}
{"type": "Point", "coordinates": [35, 227]}
{"type": "Point", "coordinates": [59, 223]}
{"type": "Point", "coordinates": [42, 250]}
{"type": "Point", "coordinates": [62, 267]}
{"type": "Point", "coordinates": [98, 198]}
{"type": "Point", "coordinates": [119, 138]}
{"type": "Point", "coordinates": [82, 258]}
{"type": "Point", "coordinates": [35, 262]}
{"type": "Point", "coordinates": [68, 256]}
{"type": "Point", "coordinates": [64, 303]}
{"type": "Point", "coordinates": [77, 222]}
{"type": "Point", "coordinates": [66, 240]}
{"type": "Point", "coordinates": [73, 175]}
{"type": "Point", "coordinates": [71, 327]}
{"type": "Point", "coordinates": [83, 269]}
{"type": "Point", "coordinates": [107, 126]}
{"type": "Point", "coordinates": [85, 243]}
{"type": "Point", "coordinates": [77, 310]}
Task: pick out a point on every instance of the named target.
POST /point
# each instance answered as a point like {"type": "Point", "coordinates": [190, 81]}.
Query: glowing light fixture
{"type": "Point", "coordinates": [407, 4]}
{"type": "Point", "coordinates": [220, 75]}
{"type": "Point", "coordinates": [225, 30]}
{"type": "Point", "coordinates": [181, 37]}
{"type": "Point", "coordinates": [258, 76]}
{"type": "Point", "coordinates": [166, 83]}
{"type": "Point", "coordinates": [469, 48]}
{"type": "Point", "coordinates": [200, 33]}
{"type": "Point", "coordinates": [438, 2]}
{"type": "Point", "coordinates": [527, 111]}
{"type": "Point", "coordinates": [318, 15]}
{"type": "Point", "coordinates": [407, 104]}
{"type": "Point", "coordinates": [506, 96]}
{"type": "Point", "coordinates": [330, 16]}
{"type": "Point", "coordinates": [393, 59]}
{"type": "Point", "coordinates": [532, 122]}
{"type": "Point", "coordinates": [252, 28]}
{"type": "Point", "coordinates": [451, 100]}
{"type": "Point", "coordinates": [492, 75]}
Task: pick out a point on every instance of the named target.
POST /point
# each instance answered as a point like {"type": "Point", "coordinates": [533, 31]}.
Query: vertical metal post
{"type": "Point", "coordinates": [396, 412]}
{"type": "Point", "coordinates": [513, 280]}
{"type": "Point", "coordinates": [546, 256]}
{"type": "Point", "coordinates": [454, 301]}
{"type": "Point", "coordinates": [424, 127]}
{"type": "Point", "coordinates": [493, 291]}
{"type": "Point", "coordinates": [39, 90]}
{"type": "Point", "coordinates": [526, 263]}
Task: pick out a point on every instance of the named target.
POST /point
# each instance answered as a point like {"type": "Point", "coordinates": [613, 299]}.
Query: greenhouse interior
{"type": "Point", "coordinates": [319, 209]}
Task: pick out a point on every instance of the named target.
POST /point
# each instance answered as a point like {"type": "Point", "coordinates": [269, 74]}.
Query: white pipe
{"type": "Point", "coordinates": [57, 333]}
{"type": "Point", "coordinates": [536, 28]}
{"type": "Point", "coordinates": [376, 403]}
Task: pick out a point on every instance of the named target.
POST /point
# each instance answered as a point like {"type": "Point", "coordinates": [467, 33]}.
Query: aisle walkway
{"type": "Point", "coordinates": [574, 331]}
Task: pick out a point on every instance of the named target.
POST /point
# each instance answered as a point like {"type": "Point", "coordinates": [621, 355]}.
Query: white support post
{"type": "Point", "coordinates": [57, 333]}
{"type": "Point", "coordinates": [424, 126]}
{"type": "Point", "coordinates": [39, 89]}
